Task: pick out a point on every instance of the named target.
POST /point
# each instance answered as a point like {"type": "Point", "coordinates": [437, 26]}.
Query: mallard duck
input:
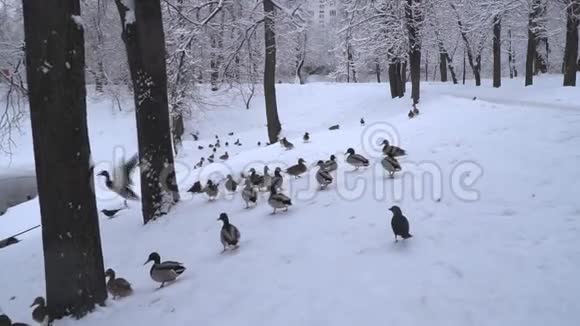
{"type": "Point", "coordinates": [121, 182]}
{"type": "Point", "coordinates": [415, 110]}
{"type": "Point", "coordinates": [277, 179]}
{"type": "Point", "coordinates": [362, 121]}
{"type": "Point", "coordinates": [231, 184]}
{"type": "Point", "coordinates": [40, 313]}
{"type": "Point", "coordinates": [249, 194]}
{"type": "Point", "coordinates": [278, 200]}
{"type": "Point", "coordinates": [195, 136]}
{"type": "Point", "coordinates": [163, 272]}
{"type": "Point", "coordinates": [227, 144]}
{"type": "Point", "coordinates": [356, 160]}
{"type": "Point", "coordinates": [286, 144]}
{"type": "Point", "coordinates": [210, 145]}
{"type": "Point", "coordinates": [238, 142]}
{"type": "Point", "coordinates": [411, 115]}
{"type": "Point", "coordinates": [399, 223]}
{"type": "Point", "coordinates": [266, 179]}
{"type": "Point", "coordinates": [118, 287]}
{"type": "Point", "coordinates": [255, 178]}
{"type": "Point", "coordinates": [306, 137]}
{"type": "Point", "coordinates": [331, 164]}
{"type": "Point", "coordinates": [230, 133]}
{"type": "Point", "coordinates": [225, 156]}
{"type": "Point", "coordinates": [334, 127]}
{"type": "Point", "coordinates": [323, 176]}
{"type": "Point", "coordinates": [5, 321]}
{"type": "Point", "coordinates": [391, 165]}
{"type": "Point", "coordinates": [211, 189]}
{"type": "Point", "coordinates": [200, 163]}
{"type": "Point", "coordinates": [229, 235]}
{"type": "Point", "coordinates": [393, 151]}
{"type": "Point", "coordinates": [200, 147]}
{"type": "Point", "coordinates": [297, 169]}
{"type": "Point", "coordinates": [211, 158]}
{"type": "Point", "coordinates": [196, 188]}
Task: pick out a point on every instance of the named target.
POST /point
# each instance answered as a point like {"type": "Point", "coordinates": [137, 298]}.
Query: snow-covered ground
{"type": "Point", "coordinates": [490, 187]}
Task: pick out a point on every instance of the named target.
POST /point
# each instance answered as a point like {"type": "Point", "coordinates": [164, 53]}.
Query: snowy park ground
{"type": "Point", "coordinates": [491, 187]}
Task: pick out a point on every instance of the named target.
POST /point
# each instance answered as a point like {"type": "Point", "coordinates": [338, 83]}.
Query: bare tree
{"type": "Point", "coordinates": [142, 32]}
{"type": "Point", "coordinates": [274, 126]}
{"type": "Point", "coordinates": [571, 65]}
{"type": "Point", "coordinates": [55, 65]}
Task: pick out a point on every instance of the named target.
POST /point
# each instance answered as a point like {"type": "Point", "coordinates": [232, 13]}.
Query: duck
{"type": "Point", "coordinates": [393, 151]}
{"type": "Point", "coordinates": [255, 178]}
{"type": "Point", "coordinates": [229, 235]}
{"type": "Point", "coordinates": [266, 178]}
{"type": "Point", "coordinates": [118, 287]}
{"type": "Point", "coordinates": [334, 127]}
{"type": "Point", "coordinates": [286, 144]}
{"type": "Point", "coordinates": [211, 189]}
{"type": "Point", "coordinates": [323, 176]}
{"type": "Point", "coordinates": [231, 184]}
{"type": "Point", "coordinates": [391, 165]}
{"type": "Point", "coordinates": [238, 142]}
{"type": "Point", "coordinates": [200, 147]}
{"type": "Point", "coordinates": [306, 137]}
{"type": "Point", "coordinates": [200, 163]}
{"type": "Point", "coordinates": [411, 115]}
{"type": "Point", "coordinates": [214, 150]}
{"type": "Point", "coordinates": [297, 169]}
{"type": "Point", "coordinates": [331, 164]}
{"type": "Point", "coordinates": [110, 213]}
{"type": "Point", "coordinates": [362, 121]}
{"type": "Point", "coordinates": [356, 160]}
{"type": "Point", "coordinates": [196, 188]}
{"type": "Point", "coordinates": [231, 133]}
{"type": "Point", "coordinates": [278, 200]}
{"type": "Point", "coordinates": [227, 144]}
{"type": "Point", "coordinates": [225, 156]}
{"type": "Point", "coordinates": [40, 313]}
{"type": "Point", "coordinates": [259, 143]}
{"type": "Point", "coordinates": [122, 182]}
{"type": "Point", "coordinates": [249, 194]}
{"type": "Point", "coordinates": [277, 179]}
{"type": "Point", "coordinates": [5, 321]}
{"type": "Point", "coordinates": [195, 136]}
{"type": "Point", "coordinates": [415, 110]}
{"type": "Point", "coordinates": [163, 272]}
{"type": "Point", "coordinates": [399, 224]}
{"type": "Point", "coordinates": [210, 145]}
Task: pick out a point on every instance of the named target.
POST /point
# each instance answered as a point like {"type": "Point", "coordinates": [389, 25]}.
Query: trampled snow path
{"type": "Point", "coordinates": [508, 256]}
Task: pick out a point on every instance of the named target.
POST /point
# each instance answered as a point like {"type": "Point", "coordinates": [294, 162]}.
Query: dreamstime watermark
{"type": "Point", "coordinates": [419, 180]}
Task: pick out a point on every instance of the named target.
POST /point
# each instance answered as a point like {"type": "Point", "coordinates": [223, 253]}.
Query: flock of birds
{"type": "Point", "coordinates": [168, 271]}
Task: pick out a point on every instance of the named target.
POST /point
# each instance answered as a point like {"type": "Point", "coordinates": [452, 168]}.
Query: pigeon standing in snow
{"type": "Point", "coordinates": [229, 235]}
{"type": "Point", "coordinates": [399, 223]}
{"type": "Point", "coordinates": [122, 182]}
{"type": "Point", "coordinates": [306, 137]}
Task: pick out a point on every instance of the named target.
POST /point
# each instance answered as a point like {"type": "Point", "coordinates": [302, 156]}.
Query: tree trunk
{"type": "Point", "coordinates": [300, 58]}
{"type": "Point", "coordinates": [464, 68]}
{"type": "Point", "coordinates": [414, 19]}
{"type": "Point", "coordinates": [351, 67]}
{"type": "Point", "coordinates": [571, 50]}
{"type": "Point", "coordinates": [497, 52]}
{"type": "Point", "coordinates": [378, 70]}
{"type": "Point", "coordinates": [395, 80]}
{"type": "Point", "coordinates": [443, 67]}
{"type": "Point", "coordinates": [510, 55]}
{"type": "Point", "coordinates": [402, 69]}
{"type": "Point", "coordinates": [145, 44]}
{"type": "Point", "coordinates": [274, 126]}
{"type": "Point", "coordinates": [55, 62]}
{"type": "Point", "coordinates": [531, 54]}
{"type": "Point", "coordinates": [427, 66]}
{"type": "Point", "coordinates": [474, 62]}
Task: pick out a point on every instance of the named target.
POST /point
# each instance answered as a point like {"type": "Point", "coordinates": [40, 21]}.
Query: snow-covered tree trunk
{"type": "Point", "coordinates": [274, 126]}
{"type": "Point", "coordinates": [55, 64]}
{"type": "Point", "coordinates": [414, 19]}
{"type": "Point", "coordinates": [142, 32]}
